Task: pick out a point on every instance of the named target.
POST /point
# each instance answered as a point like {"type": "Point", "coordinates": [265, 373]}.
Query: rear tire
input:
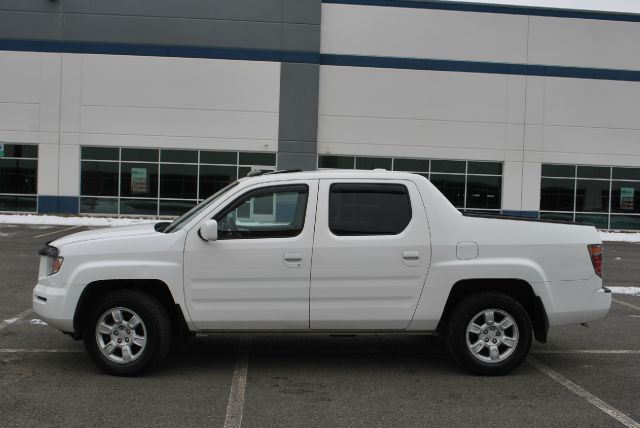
{"type": "Point", "coordinates": [127, 332]}
{"type": "Point", "coordinates": [489, 334]}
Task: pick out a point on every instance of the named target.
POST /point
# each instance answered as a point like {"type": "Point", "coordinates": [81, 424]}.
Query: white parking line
{"type": "Point", "coordinates": [584, 394]}
{"type": "Point", "coordinates": [57, 231]}
{"type": "Point", "coordinates": [620, 302]}
{"type": "Point", "coordinates": [233, 419]}
{"type": "Point", "coordinates": [6, 323]}
{"type": "Point", "coordinates": [587, 351]}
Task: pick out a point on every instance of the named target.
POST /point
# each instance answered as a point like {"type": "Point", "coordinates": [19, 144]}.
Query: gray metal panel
{"type": "Point", "coordinates": [305, 161]}
{"type": "Point", "coordinates": [31, 5]}
{"type": "Point", "coordinates": [242, 10]}
{"type": "Point", "coordinates": [301, 11]}
{"type": "Point", "coordinates": [297, 146]}
{"type": "Point", "coordinates": [30, 25]}
{"type": "Point", "coordinates": [298, 102]}
{"type": "Point", "coordinates": [301, 37]}
{"type": "Point", "coordinates": [179, 31]}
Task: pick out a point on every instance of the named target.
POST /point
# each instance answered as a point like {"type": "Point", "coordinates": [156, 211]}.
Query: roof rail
{"type": "Point", "coordinates": [257, 172]}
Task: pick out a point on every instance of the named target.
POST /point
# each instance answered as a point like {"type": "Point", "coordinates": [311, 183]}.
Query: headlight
{"type": "Point", "coordinates": [53, 260]}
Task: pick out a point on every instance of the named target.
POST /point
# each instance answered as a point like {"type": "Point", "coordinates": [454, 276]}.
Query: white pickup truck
{"type": "Point", "coordinates": [323, 252]}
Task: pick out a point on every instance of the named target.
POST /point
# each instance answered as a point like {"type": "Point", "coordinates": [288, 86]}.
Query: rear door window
{"type": "Point", "coordinates": [368, 209]}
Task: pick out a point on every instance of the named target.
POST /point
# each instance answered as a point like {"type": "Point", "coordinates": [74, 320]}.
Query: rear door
{"type": "Point", "coordinates": [371, 255]}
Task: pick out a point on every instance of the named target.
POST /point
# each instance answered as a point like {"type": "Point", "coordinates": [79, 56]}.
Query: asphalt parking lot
{"type": "Point", "coordinates": [582, 377]}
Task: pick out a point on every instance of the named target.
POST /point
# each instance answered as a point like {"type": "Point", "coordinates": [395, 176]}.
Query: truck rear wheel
{"type": "Point", "coordinates": [489, 334]}
{"type": "Point", "coordinates": [127, 332]}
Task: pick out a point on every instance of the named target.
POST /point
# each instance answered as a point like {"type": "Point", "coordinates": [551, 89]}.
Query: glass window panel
{"type": "Point", "coordinates": [140, 155]}
{"type": "Point", "coordinates": [557, 216]}
{"type": "Point", "coordinates": [225, 158]}
{"type": "Point", "coordinates": [597, 220]}
{"type": "Point", "coordinates": [411, 165]}
{"type": "Point", "coordinates": [99, 205]}
{"type": "Point", "coordinates": [625, 197]}
{"type": "Point", "coordinates": [484, 191]}
{"type": "Point", "coordinates": [267, 159]}
{"type": "Point", "coordinates": [99, 178]}
{"type": "Point", "coordinates": [626, 173]}
{"type": "Point", "coordinates": [244, 170]}
{"type": "Point", "coordinates": [139, 206]}
{"type": "Point", "coordinates": [178, 181]}
{"type": "Point", "coordinates": [18, 176]}
{"type": "Point", "coordinates": [451, 186]}
{"type": "Point", "coordinates": [552, 170]}
{"type": "Point", "coordinates": [368, 209]}
{"type": "Point", "coordinates": [338, 162]}
{"type": "Point", "coordinates": [179, 156]}
{"type": "Point", "coordinates": [556, 194]}
{"type": "Point", "coordinates": [139, 179]}
{"type": "Point", "coordinates": [175, 208]}
{"type": "Point", "coordinates": [21, 151]}
{"type": "Point", "coordinates": [625, 222]}
{"type": "Point", "coordinates": [372, 163]}
{"type": "Point", "coordinates": [594, 172]}
{"type": "Point", "coordinates": [448, 166]}
{"type": "Point", "coordinates": [100, 153]}
{"type": "Point", "coordinates": [18, 203]}
{"type": "Point", "coordinates": [214, 178]}
{"type": "Point", "coordinates": [266, 213]}
{"type": "Point", "coordinates": [592, 196]}
{"type": "Point", "coordinates": [493, 168]}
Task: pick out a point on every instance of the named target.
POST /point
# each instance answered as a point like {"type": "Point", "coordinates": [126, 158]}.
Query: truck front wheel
{"type": "Point", "coordinates": [489, 333]}
{"type": "Point", "coordinates": [127, 332]}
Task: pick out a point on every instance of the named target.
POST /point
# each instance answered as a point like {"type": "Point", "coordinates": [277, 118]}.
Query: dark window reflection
{"type": "Point", "coordinates": [214, 178]}
{"type": "Point", "coordinates": [625, 197]}
{"type": "Point", "coordinates": [175, 208]}
{"type": "Point", "coordinates": [99, 178]}
{"type": "Point", "coordinates": [99, 205]}
{"type": "Point", "coordinates": [372, 163]}
{"type": "Point", "coordinates": [139, 206]}
{"type": "Point", "coordinates": [451, 186]}
{"type": "Point", "coordinates": [598, 220]}
{"type": "Point", "coordinates": [18, 176]}
{"type": "Point", "coordinates": [592, 195]}
{"type": "Point", "coordinates": [18, 203]}
{"type": "Point", "coordinates": [483, 192]}
{"type": "Point", "coordinates": [556, 194]}
{"type": "Point", "coordinates": [339, 162]}
{"type": "Point", "coordinates": [178, 181]}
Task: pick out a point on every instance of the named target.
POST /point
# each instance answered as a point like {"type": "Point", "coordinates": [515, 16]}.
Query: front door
{"type": "Point", "coordinates": [256, 275]}
{"type": "Point", "coordinates": [371, 255]}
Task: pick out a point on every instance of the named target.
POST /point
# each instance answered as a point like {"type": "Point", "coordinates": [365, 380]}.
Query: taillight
{"type": "Point", "coordinates": [595, 251]}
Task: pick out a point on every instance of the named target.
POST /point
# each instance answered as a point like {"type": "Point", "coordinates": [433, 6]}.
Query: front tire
{"type": "Point", "coordinates": [127, 332]}
{"type": "Point", "coordinates": [489, 334]}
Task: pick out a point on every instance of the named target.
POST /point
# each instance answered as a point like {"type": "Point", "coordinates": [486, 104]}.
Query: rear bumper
{"type": "Point", "coordinates": [599, 306]}
{"type": "Point", "coordinates": [575, 302]}
{"type": "Point", "coordinates": [56, 305]}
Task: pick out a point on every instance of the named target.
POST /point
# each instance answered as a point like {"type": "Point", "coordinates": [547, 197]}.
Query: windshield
{"type": "Point", "coordinates": [184, 218]}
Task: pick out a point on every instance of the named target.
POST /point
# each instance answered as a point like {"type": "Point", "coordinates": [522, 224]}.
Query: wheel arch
{"type": "Point", "coordinates": [518, 289]}
{"type": "Point", "coordinates": [154, 287]}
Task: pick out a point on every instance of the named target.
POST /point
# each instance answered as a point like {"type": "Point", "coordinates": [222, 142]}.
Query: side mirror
{"type": "Point", "coordinates": [209, 230]}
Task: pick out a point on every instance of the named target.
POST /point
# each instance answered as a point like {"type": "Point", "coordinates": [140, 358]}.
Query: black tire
{"type": "Point", "coordinates": [155, 324]}
{"type": "Point", "coordinates": [459, 340]}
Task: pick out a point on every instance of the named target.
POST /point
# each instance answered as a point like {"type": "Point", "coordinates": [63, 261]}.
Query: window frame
{"type": "Point", "coordinates": [269, 189]}
{"type": "Point", "coordinates": [368, 184]}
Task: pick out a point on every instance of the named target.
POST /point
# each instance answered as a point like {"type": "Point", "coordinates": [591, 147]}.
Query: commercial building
{"type": "Point", "coordinates": [146, 107]}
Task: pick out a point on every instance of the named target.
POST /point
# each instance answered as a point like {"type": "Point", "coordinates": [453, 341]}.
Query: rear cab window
{"type": "Point", "coordinates": [357, 209]}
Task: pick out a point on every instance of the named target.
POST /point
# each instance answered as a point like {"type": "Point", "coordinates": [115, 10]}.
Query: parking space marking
{"type": "Point", "coordinates": [6, 323]}
{"type": "Point", "coordinates": [56, 231]}
{"type": "Point", "coordinates": [584, 394]}
{"type": "Point", "coordinates": [620, 302]}
{"type": "Point", "coordinates": [588, 351]}
{"type": "Point", "coordinates": [233, 419]}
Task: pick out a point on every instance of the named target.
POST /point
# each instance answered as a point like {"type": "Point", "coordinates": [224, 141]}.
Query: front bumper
{"type": "Point", "coordinates": [56, 305]}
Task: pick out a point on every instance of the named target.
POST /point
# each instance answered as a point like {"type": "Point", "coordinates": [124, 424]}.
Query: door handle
{"type": "Point", "coordinates": [411, 255]}
{"type": "Point", "coordinates": [293, 260]}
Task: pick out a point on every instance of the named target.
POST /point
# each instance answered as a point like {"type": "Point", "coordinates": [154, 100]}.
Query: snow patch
{"type": "Point", "coordinates": [36, 321]}
{"type": "Point", "coordinates": [632, 291]}
{"type": "Point", "coordinates": [620, 236]}
{"type": "Point", "coordinates": [72, 221]}
{"type": "Point", "coordinates": [11, 320]}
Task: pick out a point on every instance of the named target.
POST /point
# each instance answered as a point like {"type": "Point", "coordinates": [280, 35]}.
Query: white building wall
{"type": "Point", "coordinates": [522, 121]}
{"type": "Point", "coordinates": [64, 101]}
